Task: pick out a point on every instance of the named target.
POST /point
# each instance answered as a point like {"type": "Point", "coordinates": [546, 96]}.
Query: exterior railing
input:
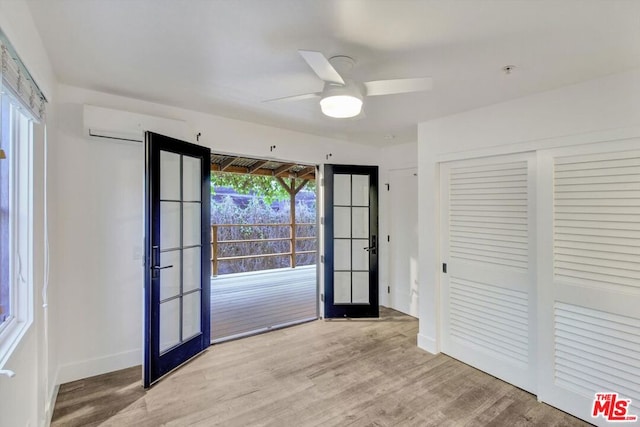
{"type": "Point", "coordinates": [292, 239]}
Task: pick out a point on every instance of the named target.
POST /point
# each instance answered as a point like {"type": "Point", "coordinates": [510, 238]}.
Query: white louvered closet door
{"type": "Point", "coordinates": [488, 241]}
{"type": "Point", "coordinates": [590, 277]}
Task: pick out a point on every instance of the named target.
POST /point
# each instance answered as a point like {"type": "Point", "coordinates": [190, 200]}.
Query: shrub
{"type": "Point", "coordinates": [256, 211]}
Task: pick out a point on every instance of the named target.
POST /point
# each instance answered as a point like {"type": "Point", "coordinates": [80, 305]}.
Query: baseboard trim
{"type": "Point", "coordinates": [427, 344]}
{"type": "Point", "coordinates": [51, 404]}
{"type": "Point", "coordinates": [100, 365]}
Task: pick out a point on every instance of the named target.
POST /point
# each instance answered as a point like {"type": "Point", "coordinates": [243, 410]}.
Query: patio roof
{"type": "Point", "coordinates": [248, 165]}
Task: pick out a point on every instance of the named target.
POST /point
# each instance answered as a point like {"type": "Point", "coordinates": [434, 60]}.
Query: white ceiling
{"type": "Point", "coordinates": [226, 57]}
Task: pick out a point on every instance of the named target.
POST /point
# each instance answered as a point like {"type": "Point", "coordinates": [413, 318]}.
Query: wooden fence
{"type": "Point", "coordinates": [292, 239]}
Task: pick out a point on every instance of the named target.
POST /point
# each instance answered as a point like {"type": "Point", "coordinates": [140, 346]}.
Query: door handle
{"type": "Point", "coordinates": [155, 257]}
{"type": "Point", "coordinates": [374, 245]}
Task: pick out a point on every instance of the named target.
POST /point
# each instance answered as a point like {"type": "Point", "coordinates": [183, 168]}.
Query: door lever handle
{"type": "Point", "coordinates": [162, 268]}
{"type": "Point", "coordinates": [374, 245]}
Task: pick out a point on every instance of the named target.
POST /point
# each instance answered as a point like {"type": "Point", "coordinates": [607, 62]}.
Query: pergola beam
{"type": "Point", "coordinates": [257, 165]}
{"type": "Point", "coordinates": [306, 172]}
{"type": "Point", "coordinates": [222, 167]}
{"type": "Point", "coordinates": [286, 186]}
{"type": "Point", "coordinates": [226, 164]}
{"type": "Point", "coordinates": [299, 187]}
{"type": "Point", "coordinates": [242, 170]}
{"type": "Point", "coordinates": [282, 170]}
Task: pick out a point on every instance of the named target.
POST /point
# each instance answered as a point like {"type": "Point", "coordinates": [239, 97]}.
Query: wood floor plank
{"type": "Point", "coordinates": [347, 373]}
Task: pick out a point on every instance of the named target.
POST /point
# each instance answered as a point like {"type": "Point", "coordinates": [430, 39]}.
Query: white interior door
{"type": "Point", "coordinates": [590, 277]}
{"type": "Point", "coordinates": [488, 254]}
{"type": "Point", "coordinates": [403, 245]}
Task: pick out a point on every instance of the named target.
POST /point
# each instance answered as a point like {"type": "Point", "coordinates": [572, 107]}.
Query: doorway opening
{"type": "Point", "coordinates": [264, 245]}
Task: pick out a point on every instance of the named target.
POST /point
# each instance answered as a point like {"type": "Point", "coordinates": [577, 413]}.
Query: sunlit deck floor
{"type": "Point", "coordinates": [248, 303]}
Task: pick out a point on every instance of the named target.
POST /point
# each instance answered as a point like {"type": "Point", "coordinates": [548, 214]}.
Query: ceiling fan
{"type": "Point", "coordinates": [342, 97]}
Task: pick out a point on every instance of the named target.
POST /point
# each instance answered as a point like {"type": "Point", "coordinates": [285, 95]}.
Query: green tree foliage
{"type": "Point", "coordinates": [265, 187]}
{"type": "Point", "coordinates": [265, 190]}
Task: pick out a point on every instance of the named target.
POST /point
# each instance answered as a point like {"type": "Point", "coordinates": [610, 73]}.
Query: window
{"type": "Point", "coordinates": [15, 224]}
{"type": "Point", "coordinates": [5, 294]}
{"type": "Point", "coordinates": [21, 104]}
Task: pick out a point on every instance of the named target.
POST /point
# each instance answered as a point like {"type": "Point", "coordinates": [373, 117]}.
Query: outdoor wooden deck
{"type": "Point", "coordinates": [248, 303]}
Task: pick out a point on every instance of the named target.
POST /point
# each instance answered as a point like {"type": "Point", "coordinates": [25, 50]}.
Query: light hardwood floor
{"type": "Point", "coordinates": [329, 373]}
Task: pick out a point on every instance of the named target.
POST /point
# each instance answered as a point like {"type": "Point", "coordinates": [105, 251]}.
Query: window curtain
{"type": "Point", "coordinates": [18, 83]}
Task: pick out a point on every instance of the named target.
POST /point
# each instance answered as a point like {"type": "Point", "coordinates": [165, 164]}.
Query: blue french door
{"type": "Point", "coordinates": [351, 241]}
{"type": "Point", "coordinates": [177, 254]}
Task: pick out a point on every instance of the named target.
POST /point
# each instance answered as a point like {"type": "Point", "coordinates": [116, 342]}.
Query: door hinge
{"type": "Point", "coordinates": [321, 220]}
{"type": "Point", "coordinates": [322, 259]}
{"type": "Point", "coordinates": [322, 297]}
{"type": "Point", "coordinates": [444, 267]}
{"type": "Point", "coordinates": [322, 182]}
{"type": "Point", "coordinates": [388, 238]}
{"type": "Point", "coordinates": [388, 289]}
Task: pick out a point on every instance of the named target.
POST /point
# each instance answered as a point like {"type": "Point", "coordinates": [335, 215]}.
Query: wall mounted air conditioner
{"type": "Point", "coordinates": [107, 124]}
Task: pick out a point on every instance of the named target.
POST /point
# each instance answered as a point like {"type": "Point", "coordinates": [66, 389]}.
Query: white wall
{"type": "Point", "coordinates": [99, 229]}
{"type": "Point", "coordinates": [392, 158]}
{"type": "Point", "coordinates": [24, 399]}
{"type": "Point", "coordinates": [591, 111]}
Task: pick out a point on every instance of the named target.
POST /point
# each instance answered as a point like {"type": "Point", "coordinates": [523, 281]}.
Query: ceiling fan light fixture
{"type": "Point", "coordinates": [342, 97]}
{"type": "Point", "coordinates": [341, 106]}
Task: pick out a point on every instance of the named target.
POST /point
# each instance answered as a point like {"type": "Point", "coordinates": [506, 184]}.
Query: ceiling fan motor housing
{"type": "Point", "coordinates": [350, 88]}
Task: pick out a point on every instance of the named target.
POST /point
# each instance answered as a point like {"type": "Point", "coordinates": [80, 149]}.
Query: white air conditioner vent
{"type": "Point", "coordinates": [116, 125]}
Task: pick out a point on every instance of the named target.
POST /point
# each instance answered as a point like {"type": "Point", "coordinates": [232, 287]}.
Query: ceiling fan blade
{"type": "Point", "coordinates": [388, 87]}
{"type": "Point", "coordinates": [321, 66]}
{"type": "Point", "coordinates": [294, 97]}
